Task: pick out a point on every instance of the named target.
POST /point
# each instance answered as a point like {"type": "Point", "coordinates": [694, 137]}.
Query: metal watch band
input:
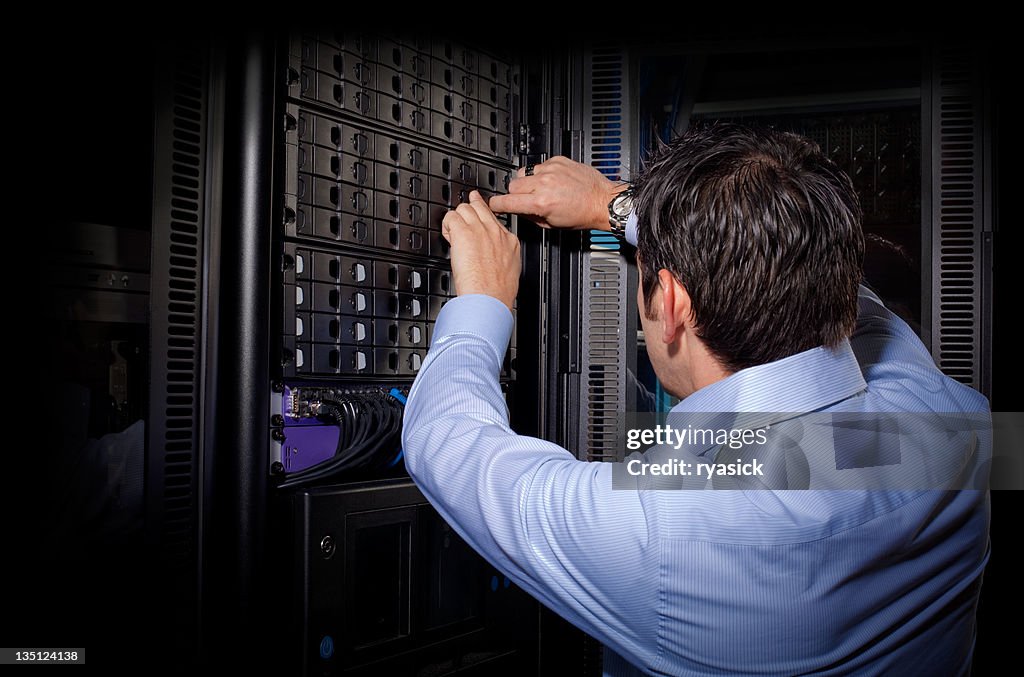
{"type": "Point", "coordinates": [618, 221]}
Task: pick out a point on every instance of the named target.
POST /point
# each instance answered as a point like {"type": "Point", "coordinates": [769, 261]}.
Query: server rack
{"type": "Point", "coordinates": [299, 183]}
{"type": "Point", "coordinates": [376, 137]}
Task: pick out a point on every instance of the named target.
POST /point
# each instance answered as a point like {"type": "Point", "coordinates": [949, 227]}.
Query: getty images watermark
{"type": "Point", "coordinates": [665, 435]}
{"type": "Point", "coordinates": [842, 451]}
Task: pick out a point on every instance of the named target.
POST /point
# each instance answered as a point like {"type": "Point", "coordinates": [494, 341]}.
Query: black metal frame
{"type": "Point", "coordinates": [235, 519]}
{"type": "Point", "coordinates": [188, 99]}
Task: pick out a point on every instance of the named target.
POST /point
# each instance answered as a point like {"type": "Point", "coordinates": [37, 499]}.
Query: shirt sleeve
{"type": "Point", "coordinates": [553, 524]}
{"type": "Point", "coordinates": [630, 229]}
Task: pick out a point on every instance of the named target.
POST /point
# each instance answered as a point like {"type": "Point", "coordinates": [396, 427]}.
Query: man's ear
{"type": "Point", "coordinates": [675, 306]}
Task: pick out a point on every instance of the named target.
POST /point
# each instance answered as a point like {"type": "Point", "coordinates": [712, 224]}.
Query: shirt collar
{"type": "Point", "coordinates": [770, 393]}
{"type": "Point", "coordinates": [807, 381]}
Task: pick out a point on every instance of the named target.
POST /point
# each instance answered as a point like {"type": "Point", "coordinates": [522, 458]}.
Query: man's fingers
{"type": "Point", "coordinates": [516, 203]}
{"type": "Point", "coordinates": [469, 214]}
{"type": "Point", "coordinates": [525, 184]}
{"type": "Point", "coordinates": [452, 221]}
{"type": "Point", "coordinates": [475, 198]}
{"type": "Point", "coordinates": [537, 169]}
{"type": "Point", "coordinates": [479, 205]}
{"type": "Point", "coordinates": [546, 166]}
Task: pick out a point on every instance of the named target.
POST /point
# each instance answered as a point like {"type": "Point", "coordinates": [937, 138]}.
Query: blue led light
{"type": "Point", "coordinates": [326, 647]}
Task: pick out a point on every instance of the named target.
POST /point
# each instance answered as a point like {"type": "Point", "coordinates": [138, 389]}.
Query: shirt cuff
{"type": "Point", "coordinates": [630, 229]}
{"type": "Point", "coordinates": [477, 314]}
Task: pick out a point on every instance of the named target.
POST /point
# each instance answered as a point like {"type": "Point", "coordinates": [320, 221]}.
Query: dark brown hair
{"type": "Point", "coordinates": [764, 232]}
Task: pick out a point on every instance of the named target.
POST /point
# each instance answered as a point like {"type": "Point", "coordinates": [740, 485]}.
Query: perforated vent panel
{"type": "Point", "coordinates": [957, 215]}
{"type": "Point", "coordinates": [178, 217]}
{"type": "Point", "coordinates": [605, 271]}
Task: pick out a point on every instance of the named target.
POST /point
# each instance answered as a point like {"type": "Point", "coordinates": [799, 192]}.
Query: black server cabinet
{"type": "Point", "coordinates": [375, 138]}
{"type": "Point", "coordinates": [383, 583]}
{"type": "Point", "coordinates": [315, 168]}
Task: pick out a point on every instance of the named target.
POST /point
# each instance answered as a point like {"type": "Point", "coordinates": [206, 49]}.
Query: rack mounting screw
{"type": "Point", "coordinates": [277, 420]}
{"type": "Point", "coordinates": [277, 468]}
{"type": "Point", "coordinates": [277, 434]}
{"type": "Point", "coordinates": [327, 546]}
{"type": "Point", "coordinates": [277, 387]}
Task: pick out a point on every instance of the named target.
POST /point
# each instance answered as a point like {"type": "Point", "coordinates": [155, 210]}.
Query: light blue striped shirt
{"type": "Point", "coordinates": [713, 582]}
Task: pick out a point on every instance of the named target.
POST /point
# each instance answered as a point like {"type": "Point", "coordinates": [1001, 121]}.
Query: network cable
{"type": "Point", "coordinates": [369, 431]}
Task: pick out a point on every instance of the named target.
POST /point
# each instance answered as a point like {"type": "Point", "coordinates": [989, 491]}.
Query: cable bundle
{"type": "Point", "coordinates": [370, 430]}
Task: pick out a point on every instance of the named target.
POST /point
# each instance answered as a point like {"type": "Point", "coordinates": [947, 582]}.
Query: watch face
{"type": "Point", "coordinates": [622, 205]}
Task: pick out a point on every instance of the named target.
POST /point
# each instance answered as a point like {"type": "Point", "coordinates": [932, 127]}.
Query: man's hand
{"type": "Point", "coordinates": [485, 257]}
{"type": "Point", "coordinates": [561, 193]}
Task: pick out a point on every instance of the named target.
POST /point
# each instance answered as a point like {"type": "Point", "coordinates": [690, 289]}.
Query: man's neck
{"type": "Point", "coordinates": [702, 368]}
{"type": "Point", "coordinates": [708, 372]}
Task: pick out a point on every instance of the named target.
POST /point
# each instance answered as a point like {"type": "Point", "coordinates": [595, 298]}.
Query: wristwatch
{"type": "Point", "coordinates": [619, 210]}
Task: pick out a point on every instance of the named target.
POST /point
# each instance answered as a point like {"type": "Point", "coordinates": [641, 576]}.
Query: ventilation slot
{"type": "Point", "coordinates": [605, 358]}
{"type": "Point", "coordinates": [957, 213]}
{"type": "Point", "coordinates": [604, 341]}
{"type": "Point", "coordinates": [177, 250]}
